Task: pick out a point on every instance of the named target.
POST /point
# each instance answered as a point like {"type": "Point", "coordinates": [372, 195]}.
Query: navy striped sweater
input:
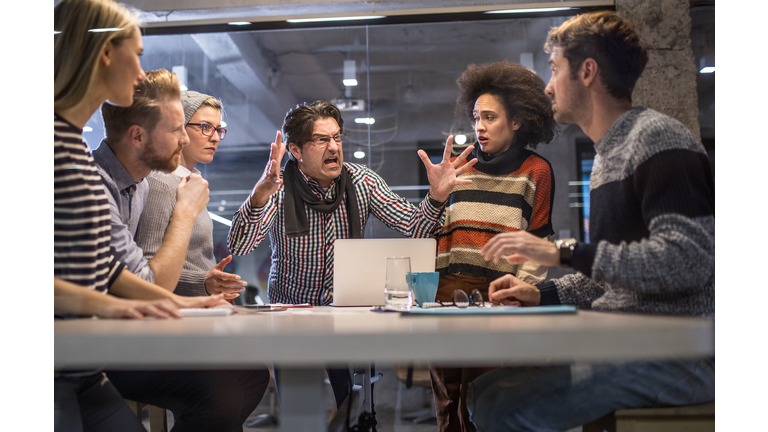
{"type": "Point", "coordinates": [652, 224]}
{"type": "Point", "coordinates": [81, 224]}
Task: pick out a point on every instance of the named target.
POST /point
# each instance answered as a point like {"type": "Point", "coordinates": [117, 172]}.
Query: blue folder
{"type": "Point", "coordinates": [497, 310]}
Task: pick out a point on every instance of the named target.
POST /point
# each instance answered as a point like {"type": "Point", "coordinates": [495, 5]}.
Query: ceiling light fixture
{"type": "Point", "coordinates": [460, 139]}
{"type": "Point", "coordinates": [707, 70]}
{"type": "Point", "coordinates": [359, 154]}
{"type": "Point", "coordinates": [102, 30]}
{"type": "Point", "coordinates": [365, 120]}
{"type": "Point", "coordinates": [239, 23]}
{"type": "Point", "coordinates": [347, 18]}
{"type": "Point", "coordinates": [538, 10]}
{"type": "Point", "coordinates": [350, 73]}
{"type": "Point", "coordinates": [220, 219]}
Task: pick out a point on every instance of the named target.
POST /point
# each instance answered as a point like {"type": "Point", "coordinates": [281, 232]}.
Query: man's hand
{"type": "Point", "coordinates": [199, 301]}
{"type": "Point", "coordinates": [270, 180]}
{"type": "Point", "coordinates": [444, 176]}
{"type": "Point", "coordinates": [114, 307]}
{"type": "Point", "coordinates": [219, 282]}
{"type": "Point", "coordinates": [509, 290]}
{"type": "Point", "coordinates": [521, 246]}
{"type": "Point", "coordinates": [192, 195]}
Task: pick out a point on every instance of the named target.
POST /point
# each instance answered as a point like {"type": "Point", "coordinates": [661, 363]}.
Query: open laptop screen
{"type": "Point", "coordinates": [359, 267]}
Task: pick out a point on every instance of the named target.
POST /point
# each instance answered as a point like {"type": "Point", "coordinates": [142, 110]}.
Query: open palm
{"type": "Point", "coordinates": [443, 177]}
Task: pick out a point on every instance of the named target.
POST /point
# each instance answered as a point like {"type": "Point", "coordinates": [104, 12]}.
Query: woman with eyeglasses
{"type": "Point", "coordinates": [200, 275]}
{"type": "Point", "coordinates": [512, 190]}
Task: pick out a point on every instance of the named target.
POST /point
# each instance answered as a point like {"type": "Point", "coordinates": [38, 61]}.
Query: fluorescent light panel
{"type": "Point", "coordinates": [102, 30]}
{"type": "Point", "coordinates": [220, 219]}
{"type": "Point", "coordinates": [538, 10]}
{"type": "Point", "coordinates": [239, 23]}
{"type": "Point", "coordinates": [347, 18]}
{"type": "Point", "coordinates": [359, 154]}
{"type": "Point", "coordinates": [350, 82]}
{"type": "Point", "coordinates": [707, 70]}
{"type": "Point", "coordinates": [365, 120]}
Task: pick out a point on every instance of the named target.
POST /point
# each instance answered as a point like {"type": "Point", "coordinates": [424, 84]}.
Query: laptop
{"type": "Point", "coordinates": [360, 266]}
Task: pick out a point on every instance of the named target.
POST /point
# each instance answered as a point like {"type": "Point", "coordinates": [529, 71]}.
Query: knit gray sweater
{"type": "Point", "coordinates": [652, 224]}
{"type": "Point", "coordinates": [154, 222]}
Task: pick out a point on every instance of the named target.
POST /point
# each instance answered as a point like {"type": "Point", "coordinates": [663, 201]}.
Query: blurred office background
{"type": "Point", "coordinates": [393, 75]}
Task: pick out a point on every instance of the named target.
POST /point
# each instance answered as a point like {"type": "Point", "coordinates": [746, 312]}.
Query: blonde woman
{"type": "Point", "coordinates": [97, 44]}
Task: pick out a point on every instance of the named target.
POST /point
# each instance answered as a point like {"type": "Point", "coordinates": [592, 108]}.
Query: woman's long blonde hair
{"type": "Point", "coordinates": [76, 47]}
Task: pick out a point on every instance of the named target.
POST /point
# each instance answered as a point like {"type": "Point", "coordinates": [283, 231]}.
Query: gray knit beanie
{"type": "Point", "coordinates": [191, 101]}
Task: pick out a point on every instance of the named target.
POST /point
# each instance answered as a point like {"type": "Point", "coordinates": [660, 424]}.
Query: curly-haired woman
{"type": "Point", "coordinates": [512, 190]}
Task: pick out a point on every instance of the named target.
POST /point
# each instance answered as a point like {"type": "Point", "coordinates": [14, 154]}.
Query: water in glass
{"type": "Point", "coordinates": [398, 293]}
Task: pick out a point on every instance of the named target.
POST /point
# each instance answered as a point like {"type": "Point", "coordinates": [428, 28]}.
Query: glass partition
{"type": "Point", "coordinates": [403, 100]}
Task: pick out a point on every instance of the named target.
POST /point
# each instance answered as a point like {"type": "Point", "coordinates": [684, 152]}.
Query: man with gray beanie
{"type": "Point", "coordinates": [200, 274]}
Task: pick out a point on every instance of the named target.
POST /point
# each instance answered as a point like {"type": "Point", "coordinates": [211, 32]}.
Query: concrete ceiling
{"type": "Point", "coordinates": [410, 82]}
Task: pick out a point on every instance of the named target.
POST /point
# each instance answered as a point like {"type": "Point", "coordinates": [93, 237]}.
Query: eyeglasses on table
{"type": "Point", "coordinates": [459, 299]}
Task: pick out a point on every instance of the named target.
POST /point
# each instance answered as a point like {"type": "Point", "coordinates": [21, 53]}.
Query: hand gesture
{"type": "Point", "coordinates": [114, 307]}
{"type": "Point", "coordinates": [444, 176]}
{"type": "Point", "coordinates": [192, 194]}
{"type": "Point", "coordinates": [270, 180]}
{"type": "Point", "coordinates": [219, 282]}
{"type": "Point", "coordinates": [521, 246]}
{"type": "Point", "coordinates": [511, 291]}
{"type": "Point", "coordinates": [199, 301]}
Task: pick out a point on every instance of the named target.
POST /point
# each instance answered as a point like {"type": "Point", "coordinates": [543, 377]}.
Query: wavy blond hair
{"type": "Point", "coordinates": [76, 49]}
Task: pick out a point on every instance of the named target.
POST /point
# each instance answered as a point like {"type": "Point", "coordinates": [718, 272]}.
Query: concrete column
{"type": "Point", "coordinates": [668, 83]}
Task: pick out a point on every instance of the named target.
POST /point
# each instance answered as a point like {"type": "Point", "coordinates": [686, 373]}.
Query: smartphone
{"type": "Point", "coordinates": [264, 307]}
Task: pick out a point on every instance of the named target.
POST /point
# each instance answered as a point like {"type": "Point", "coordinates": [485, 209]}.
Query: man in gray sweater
{"type": "Point", "coordinates": [651, 248]}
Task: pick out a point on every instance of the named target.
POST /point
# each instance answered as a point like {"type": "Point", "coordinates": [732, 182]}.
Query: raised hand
{"type": "Point", "coordinates": [511, 291]}
{"type": "Point", "coordinates": [444, 176]}
{"type": "Point", "coordinates": [521, 246]}
{"type": "Point", "coordinates": [219, 282]}
{"type": "Point", "coordinates": [192, 194]}
{"type": "Point", "coordinates": [270, 180]}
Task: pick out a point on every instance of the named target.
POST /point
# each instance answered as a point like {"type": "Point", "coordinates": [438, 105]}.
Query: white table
{"type": "Point", "coordinates": [302, 341]}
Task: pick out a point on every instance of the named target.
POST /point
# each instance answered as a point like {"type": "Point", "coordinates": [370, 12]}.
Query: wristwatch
{"type": "Point", "coordinates": [566, 247]}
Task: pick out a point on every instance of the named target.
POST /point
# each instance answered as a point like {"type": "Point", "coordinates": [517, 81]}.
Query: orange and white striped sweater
{"type": "Point", "coordinates": [512, 192]}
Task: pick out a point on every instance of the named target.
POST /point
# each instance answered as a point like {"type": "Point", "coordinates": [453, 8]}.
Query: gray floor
{"type": "Point", "coordinates": [396, 407]}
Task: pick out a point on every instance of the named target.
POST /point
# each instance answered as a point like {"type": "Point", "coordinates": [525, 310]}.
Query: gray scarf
{"type": "Point", "coordinates": [296, 214]}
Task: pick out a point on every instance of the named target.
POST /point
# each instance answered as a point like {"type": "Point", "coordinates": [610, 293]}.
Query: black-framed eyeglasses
{"type": "Point", "coordinates": [460, 299]}
{"type": "Point", "coordinates": [323, 141]}
{"type": "Point", "coordinates": [208, 129]}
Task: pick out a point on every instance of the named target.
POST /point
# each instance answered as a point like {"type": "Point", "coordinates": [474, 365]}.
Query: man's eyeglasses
{"type": "Point", "coordinates": [460, 299]}
{"type": "Point", "coordinates": [208, 130]}
{"type": "Point", "coordinates": [323, 141]}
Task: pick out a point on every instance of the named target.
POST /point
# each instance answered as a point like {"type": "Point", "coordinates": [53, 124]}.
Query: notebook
{"type": "Point", "coordinates": [360, 267]}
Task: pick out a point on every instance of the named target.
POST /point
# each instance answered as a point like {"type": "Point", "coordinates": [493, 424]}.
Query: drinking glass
{"type": "Point", "coordinates": [398, 293]}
